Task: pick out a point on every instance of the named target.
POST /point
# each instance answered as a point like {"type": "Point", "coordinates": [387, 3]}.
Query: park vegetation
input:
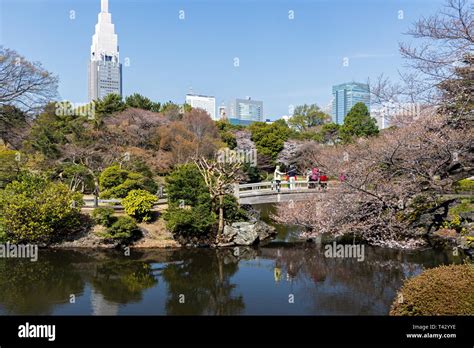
{"type": "Point", "coordinates": [200, 201]}
{"type": "Point", "coordinates": [128, 149]}
{"type": "Point", "coordinates": [34, 209]}
{"type": "Point", "coordinates": [452, 285]}
{"type": "Point", "coordinates": [395, 177]}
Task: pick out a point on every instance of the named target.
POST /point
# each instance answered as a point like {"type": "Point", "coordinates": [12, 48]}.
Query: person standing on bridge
{"type": "Point", "coordinates": [323, 181]}
{"type": "Point", "coordinates": [292, 176]}
{"type": "Point", "coordinates": [313, 178]}
{"type": "Point", "coordinates": [277, 178]}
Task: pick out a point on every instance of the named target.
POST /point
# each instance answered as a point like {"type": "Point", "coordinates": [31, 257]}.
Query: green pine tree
{"type": "Point", "coordinates": [358, 123]}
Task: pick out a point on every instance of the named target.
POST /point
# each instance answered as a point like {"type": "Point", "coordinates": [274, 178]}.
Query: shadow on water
{"type": "Point", "coordinates": [206, 281]}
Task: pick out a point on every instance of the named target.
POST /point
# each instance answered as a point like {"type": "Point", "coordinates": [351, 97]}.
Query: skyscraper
{"type": "Point", "coordinates": [204, 102]}
{"type": "Point", "coordinates": [246, 111]}
{"type": "Point", "coordinates": [105, 70]}
{"type": "Point", "coordinates": [345, 96]}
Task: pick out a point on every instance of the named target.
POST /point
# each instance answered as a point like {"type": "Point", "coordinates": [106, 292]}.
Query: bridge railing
{"type": "Point", "coordinates": [240, 190]}
{"type": "Point", "coordinates": [89, 201]}
{"type": "Point", "coordinates": [269, 187]}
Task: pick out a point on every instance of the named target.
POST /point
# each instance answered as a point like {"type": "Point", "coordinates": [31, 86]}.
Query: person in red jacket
{"type": "Point", "coordinates": [323, 181]}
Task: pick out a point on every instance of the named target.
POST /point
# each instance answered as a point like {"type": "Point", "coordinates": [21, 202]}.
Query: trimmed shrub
{"type": "Point", "coordinates": [191, 221]}
{"type": "Point", "coordinates": [103, 216]}
{"type": "Point", "coordinates": [37, 210]}
{"type": "Point", "coordinates": [123, 230]}
{"type": "Point", "coordinates": [112, 177]}
{"type": "Point", "coordinates": [138, 204]}
{"type": "Point", "coordinates": [116, 182]}
{"type": "Point", "coordinates": [185, 183]}
{"type": "Point", "coordinates": [122, 190]}
{"type": "Point", "coordinates": [444, 290]}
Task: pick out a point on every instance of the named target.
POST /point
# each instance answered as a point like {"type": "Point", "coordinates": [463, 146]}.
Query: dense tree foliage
{"type": "Point", "coordinates": [123, 230]}
{"type": "Point", "coordinates": [103, 216]}
{"type": "Point", "coordinates": [307, 116]}
{"type": "Point", "coordinates": [109, 105]}
{"type": "Point", "coordinates": [10, 166]}
{"type": "Point", "coordinates": [358, 123]}
{"type": "Point", "coordinates": [52, 129]}
{"type": "Point", "coordinates": [457, 93]}
{"type": "Point", "coordinates": [219, 177]}
{"type": "Point", "coordinates": [185, 184]}
{"type": "Point", "coordinates": [140, 102]}
{"type": "Point", "coordinates": [269, 138]}
{"type": "Point", "coordinates": [13, 126]}
{"type": "Point", "coordinates": [36, 210]}
{"type": "Point", "coordinates": [227, 132]}
{"type": "Point", "coordinates": [194, 207]}
{"type": "Point", "coordinates": [116, 182]}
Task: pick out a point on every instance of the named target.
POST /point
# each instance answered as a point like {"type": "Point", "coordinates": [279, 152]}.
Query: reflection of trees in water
{"type": "Point", "coordinates": [122, 280]}
{"type": "Point", "coordinates": [332, 283]}
{"type": "Point", "coordinates": [35, 287]}
{"type": "Point", "coordinates": [204, 277]}
{"type": "Point", "coordinates": [204, 280]}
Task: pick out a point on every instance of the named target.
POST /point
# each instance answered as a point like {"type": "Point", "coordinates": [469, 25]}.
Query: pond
{"type": "Point", "coordinates": [284, 277]}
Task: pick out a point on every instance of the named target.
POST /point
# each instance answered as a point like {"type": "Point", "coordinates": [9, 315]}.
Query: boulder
{"type": "Point", "coordinates": [264, 230]}
{"type": "Point", "coordinates": [246, 233]}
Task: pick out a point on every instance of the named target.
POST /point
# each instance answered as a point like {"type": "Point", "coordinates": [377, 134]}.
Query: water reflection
{"type": "Point", "coordinates": [122, 281]}
{"type": "Point", "coordinates": [34, 287]}
{"type": "Point", "coordinates": [201, 284]}
{"type": "Point", "coordinates": [204, 281]}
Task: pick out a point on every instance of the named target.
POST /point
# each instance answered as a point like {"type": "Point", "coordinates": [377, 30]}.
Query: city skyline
{"type": "Point", "coordinates": [197, 45]}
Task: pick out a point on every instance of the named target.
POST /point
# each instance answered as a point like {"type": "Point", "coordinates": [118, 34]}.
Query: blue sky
{"type": "Point", "coordinates": [283, 61]}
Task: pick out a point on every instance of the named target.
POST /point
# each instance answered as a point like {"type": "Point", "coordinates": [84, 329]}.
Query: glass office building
{"type": "Point", "coordinates": [345, 96]}
{"type": "Point", "coordinates": [246, 111]}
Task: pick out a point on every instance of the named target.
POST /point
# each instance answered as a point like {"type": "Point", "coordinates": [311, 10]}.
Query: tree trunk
{"type": "Point", "coordinates": [221, 216]}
